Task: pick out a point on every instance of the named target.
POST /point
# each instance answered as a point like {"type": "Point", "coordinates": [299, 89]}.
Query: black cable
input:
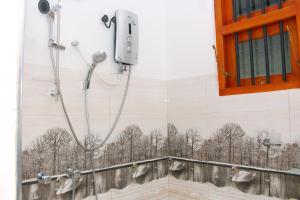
{"type": "Point", "coordinates": [105, 19]}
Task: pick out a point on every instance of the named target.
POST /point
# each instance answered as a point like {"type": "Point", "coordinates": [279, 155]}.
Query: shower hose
{"type": "Point", "coordinates": [55, 68]}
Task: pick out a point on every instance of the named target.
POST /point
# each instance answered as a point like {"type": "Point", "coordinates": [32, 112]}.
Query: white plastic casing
{"type": "Point", "coordinates": [126, 37]}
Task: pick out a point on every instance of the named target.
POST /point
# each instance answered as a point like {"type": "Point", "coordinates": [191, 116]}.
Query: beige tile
{"type": "Point", "coordinates": [45, 73]}
{"type": "Point", "coordinates": [185, 106]}
{"type": "Point", "coordinates": [295, 125]}
{"type": "Point", "coordinates": [146, 122]}
{"type": "Point", "coordinates": [277, 100]}
{"type": "Point", "coordinates": [36, 100]}
{"type": "Point", "coordinates": [254, 112]}
{"type": "Point", "coordinates": [37, 72]}
{"type": "Point", "coordinates": [145, 96]}
{"type": "Point", "coordinates": [276, 122]}
{"type": "Point", "coordinates": [187, 121]}
{"type": "Point", "coordinates": [294, 99]}
{"type": "Point", "coordinates": [146, 103]}
{"type": "Point", "coordinates": [200, 95]}
{"type": "Point", "coordinates": [186, 95]}
{"type": "Point", "coordinates": [35, 126]}
{"type": "Point", "coordinates": [211, 84]}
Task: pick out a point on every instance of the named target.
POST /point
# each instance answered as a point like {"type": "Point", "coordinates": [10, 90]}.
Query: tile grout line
{"type": "Point", "coordinates": [290, 129]}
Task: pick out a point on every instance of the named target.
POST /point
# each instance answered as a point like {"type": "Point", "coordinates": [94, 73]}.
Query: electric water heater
{"type": "Point", "coordinates": [126, 37]}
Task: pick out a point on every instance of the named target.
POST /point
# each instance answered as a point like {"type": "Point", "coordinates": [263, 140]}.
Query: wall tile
{"type": "Point", "coordinates": [36, 100]}
{"type": "Point", "coordinates": [275, 122]}
{"type": "Point", "coordinates": [295, 127]}
{"type": "Point", "coordinates": [146, 122]}
{"type": "Point", "coordinates": [145, 96]}
{"type": "Point", "coordinates": [186, 95]}
{"type": "Point", "coordinates": [34, 126]}
{"type": "Point", "coordinates": [294, 99]}
{"type": "Point", "coordinates": [248, 102]}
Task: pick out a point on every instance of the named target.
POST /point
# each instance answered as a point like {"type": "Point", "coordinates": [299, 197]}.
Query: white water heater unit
{"type": "Point", "coordinates": [126, 37]}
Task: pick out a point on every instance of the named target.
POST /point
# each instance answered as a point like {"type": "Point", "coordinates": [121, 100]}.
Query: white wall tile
{"type": "Point", "coordinates": [276, 122]}
{"type": "Point", "coordinates": [34, 126]}
{"type": "Point", "coordinates": [186, 96]}
{"type": "Point", "coordinates": [146, 122]}
{"type": "Point", "coordinates": [145, 96]}
{"type": "Point", "coordinates": [294, 99]}
{"type": "Point", "coordinates": [295, 125]}
{"type": "Point", "coordinates": [277, 100]}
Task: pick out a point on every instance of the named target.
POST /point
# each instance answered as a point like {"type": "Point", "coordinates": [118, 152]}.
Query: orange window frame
{"type": "Point", "coordinates": [225, 45]}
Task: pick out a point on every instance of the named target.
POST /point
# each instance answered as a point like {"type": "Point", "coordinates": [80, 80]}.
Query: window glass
{"type": "Point", "coordinates": [259, 56]}
{"type": "Point", "coordinates": [241, 5]}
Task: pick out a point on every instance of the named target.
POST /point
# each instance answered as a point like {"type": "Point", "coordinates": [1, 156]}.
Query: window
{"type": "Point", "coordinates": [275, 59]}
{"type": "Point", "coordinates": [257, 45]}
{"type": "Point", "coordinates": [241, 6]}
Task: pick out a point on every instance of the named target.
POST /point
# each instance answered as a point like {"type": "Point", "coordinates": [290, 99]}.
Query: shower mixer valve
{"type": "Point", "coordinates": [53, 93]}
{"type": "Point", "coordinates": [56, 46]}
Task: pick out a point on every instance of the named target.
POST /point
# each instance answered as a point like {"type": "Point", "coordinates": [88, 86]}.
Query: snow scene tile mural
{"type": "Point", "coordinates": [224, 148]}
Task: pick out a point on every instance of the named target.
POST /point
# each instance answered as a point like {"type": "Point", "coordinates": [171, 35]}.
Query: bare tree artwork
{"type": "Point", "coordinates": [55, 150]}
{"type": "Point", "coordinates": [56, 139]}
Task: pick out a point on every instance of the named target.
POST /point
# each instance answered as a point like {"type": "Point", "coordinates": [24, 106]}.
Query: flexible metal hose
{"type": "Point", "coordinates": [88, 125]}
{"type": "Point", "coordinates": [91, 149]}
{"type": "Point", "coordinates": [55, 69]}
{"type": "Point", "coordinates": [55, 66]}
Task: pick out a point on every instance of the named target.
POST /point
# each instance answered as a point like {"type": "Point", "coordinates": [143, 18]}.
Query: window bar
{"type": "Point", "coordinates": [250, 45]}
{"type": "Point", "coordinates": [266, 47]}
{"type": "Point", "coordinates": [237, 50]}
{"type": "Point", "coordinates": [282, 46]}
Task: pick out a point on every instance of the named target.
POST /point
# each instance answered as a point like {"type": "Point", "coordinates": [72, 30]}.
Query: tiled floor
{"type": "Point", "coordinates": [175, 189]}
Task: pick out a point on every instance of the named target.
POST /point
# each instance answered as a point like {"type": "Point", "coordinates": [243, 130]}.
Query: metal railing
{"type": "Point", "coordinates": [220, 164]}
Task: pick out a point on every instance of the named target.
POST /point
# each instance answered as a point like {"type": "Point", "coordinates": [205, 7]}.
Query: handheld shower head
{"type": "Point", "coordinates": [97, 57]}
{"type": "Point", "coordinates": [75, 43]}
{"type": "Point", "coordinates": [46, 9]}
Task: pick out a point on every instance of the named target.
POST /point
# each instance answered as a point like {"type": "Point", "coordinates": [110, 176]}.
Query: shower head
{"type": "Point", "coordinates": [75, 43]}
{"type": "Point", "coordinates": [44, 7]}
{"type": "Point", "coordinates": [98, 57]}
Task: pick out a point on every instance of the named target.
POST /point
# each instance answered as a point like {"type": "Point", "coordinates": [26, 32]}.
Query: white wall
{"type": "Point", "coordinates": [176, 37]}
{"type": "Point", "coordinates": [190, 36]}
{"type": "Point", "coordinates": [80, 20]}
